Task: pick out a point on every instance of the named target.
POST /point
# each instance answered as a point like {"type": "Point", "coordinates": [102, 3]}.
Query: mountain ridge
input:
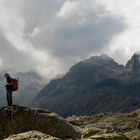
{"type": "Point", "coordinates": [89, 85]}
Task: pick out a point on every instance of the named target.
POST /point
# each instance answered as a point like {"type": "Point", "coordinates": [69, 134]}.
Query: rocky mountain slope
{"type": "Point", "coordinates": [98, 84]}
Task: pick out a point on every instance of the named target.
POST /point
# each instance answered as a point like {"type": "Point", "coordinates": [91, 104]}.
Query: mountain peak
{"type": "Point", "coordinates": [101, 59]}
{"type": "Point", "coordinates": [105, 56]}
{"type": "Point", "coordinates": [102, 56]}
{"type": "Point", "coordinates": [97, 61]}
{"type": "Point", "coordinates": [134, 63]}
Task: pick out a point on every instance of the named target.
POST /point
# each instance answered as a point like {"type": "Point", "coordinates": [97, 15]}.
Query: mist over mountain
{"type": "Point", "coordinates": [98, 84]}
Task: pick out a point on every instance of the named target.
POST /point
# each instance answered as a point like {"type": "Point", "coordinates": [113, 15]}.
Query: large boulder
{"type": "Point", "coordinates": [17, 119]}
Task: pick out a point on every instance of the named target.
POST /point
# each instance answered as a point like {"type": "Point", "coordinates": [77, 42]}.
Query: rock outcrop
{"type": "Point", "coordinates": [17, 119]}
{"type": "Point", "coordinates": [133, 65]}
{"type": "Point", "coordinates": [31, 135]}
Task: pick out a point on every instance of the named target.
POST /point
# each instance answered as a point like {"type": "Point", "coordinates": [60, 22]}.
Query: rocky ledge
{"type": "Point", "coordinates": [17, 119]}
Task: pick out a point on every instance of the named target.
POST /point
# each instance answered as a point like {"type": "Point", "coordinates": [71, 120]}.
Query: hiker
{"type": "Point", "coordinates": [9, 88]}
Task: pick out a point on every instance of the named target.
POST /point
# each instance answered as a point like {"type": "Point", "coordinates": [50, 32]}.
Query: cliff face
{"type": "Point", "coordinates": [16, 119]}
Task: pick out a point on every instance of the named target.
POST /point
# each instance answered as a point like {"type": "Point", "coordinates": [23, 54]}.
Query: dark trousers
{"type": "Point", "coordinates": [9, 97]}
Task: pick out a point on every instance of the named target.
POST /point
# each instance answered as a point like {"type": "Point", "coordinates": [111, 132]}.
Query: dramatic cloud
{"type": "Point", "coordinates": [50, 35]}
{"type": "Point", "coordinates": [124, 45]}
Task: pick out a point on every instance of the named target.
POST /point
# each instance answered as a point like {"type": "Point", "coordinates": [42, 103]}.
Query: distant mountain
{"type": "Point", "coordinates": [98, 84]}
{"type": "Point", "coordinates": [30, 83]}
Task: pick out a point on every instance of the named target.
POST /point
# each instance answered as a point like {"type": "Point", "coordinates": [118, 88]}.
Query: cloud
{"type": "Point", "coordinates": [77, 30]}
{"type": "Point", "coordinates": [17, 51]}
{"type": "Point", "coordinates": [49, 36]}
{"type": "Point", "coordinates": [124, 45]}
{"type": "Point", "coordinates": [24, 60]}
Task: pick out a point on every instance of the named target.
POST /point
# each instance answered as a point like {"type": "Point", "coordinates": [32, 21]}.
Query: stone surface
{"type": "Point", "coordinates": [109, 136]}
{"type": "Point", "coordinates": [109, 126]}
{"type": "Point", "coordinates": [16, 119]}
{"type": "Point", "coordinates": [31, 135]}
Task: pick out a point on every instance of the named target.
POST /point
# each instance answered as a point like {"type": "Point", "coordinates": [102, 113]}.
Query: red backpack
{"type": "Point", "coordinates": [15, 84]}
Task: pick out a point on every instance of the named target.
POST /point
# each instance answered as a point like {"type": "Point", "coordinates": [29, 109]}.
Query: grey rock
{"type": "Point", "coordinates": [31, 135]}
{"type": "Point", "coordinates": [17, 119]}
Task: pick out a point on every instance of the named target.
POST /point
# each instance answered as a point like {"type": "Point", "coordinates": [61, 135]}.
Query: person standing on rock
{"type": "Point", "coordinates": [9, 88]}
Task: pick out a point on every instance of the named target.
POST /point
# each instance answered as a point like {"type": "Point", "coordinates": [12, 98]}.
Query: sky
{"type": "Point", "coordinates": [49, 36]}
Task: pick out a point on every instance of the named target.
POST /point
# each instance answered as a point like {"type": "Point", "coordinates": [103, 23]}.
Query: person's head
{"type": "Point", "coordinates": [6, 75]}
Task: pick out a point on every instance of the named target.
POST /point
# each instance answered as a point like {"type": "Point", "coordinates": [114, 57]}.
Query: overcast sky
{"type": "Point", "coordinates": [51, 35]}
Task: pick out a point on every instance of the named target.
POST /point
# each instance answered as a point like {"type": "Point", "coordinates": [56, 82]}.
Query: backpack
{"type": "Point", "coordinates": [15, 84]}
